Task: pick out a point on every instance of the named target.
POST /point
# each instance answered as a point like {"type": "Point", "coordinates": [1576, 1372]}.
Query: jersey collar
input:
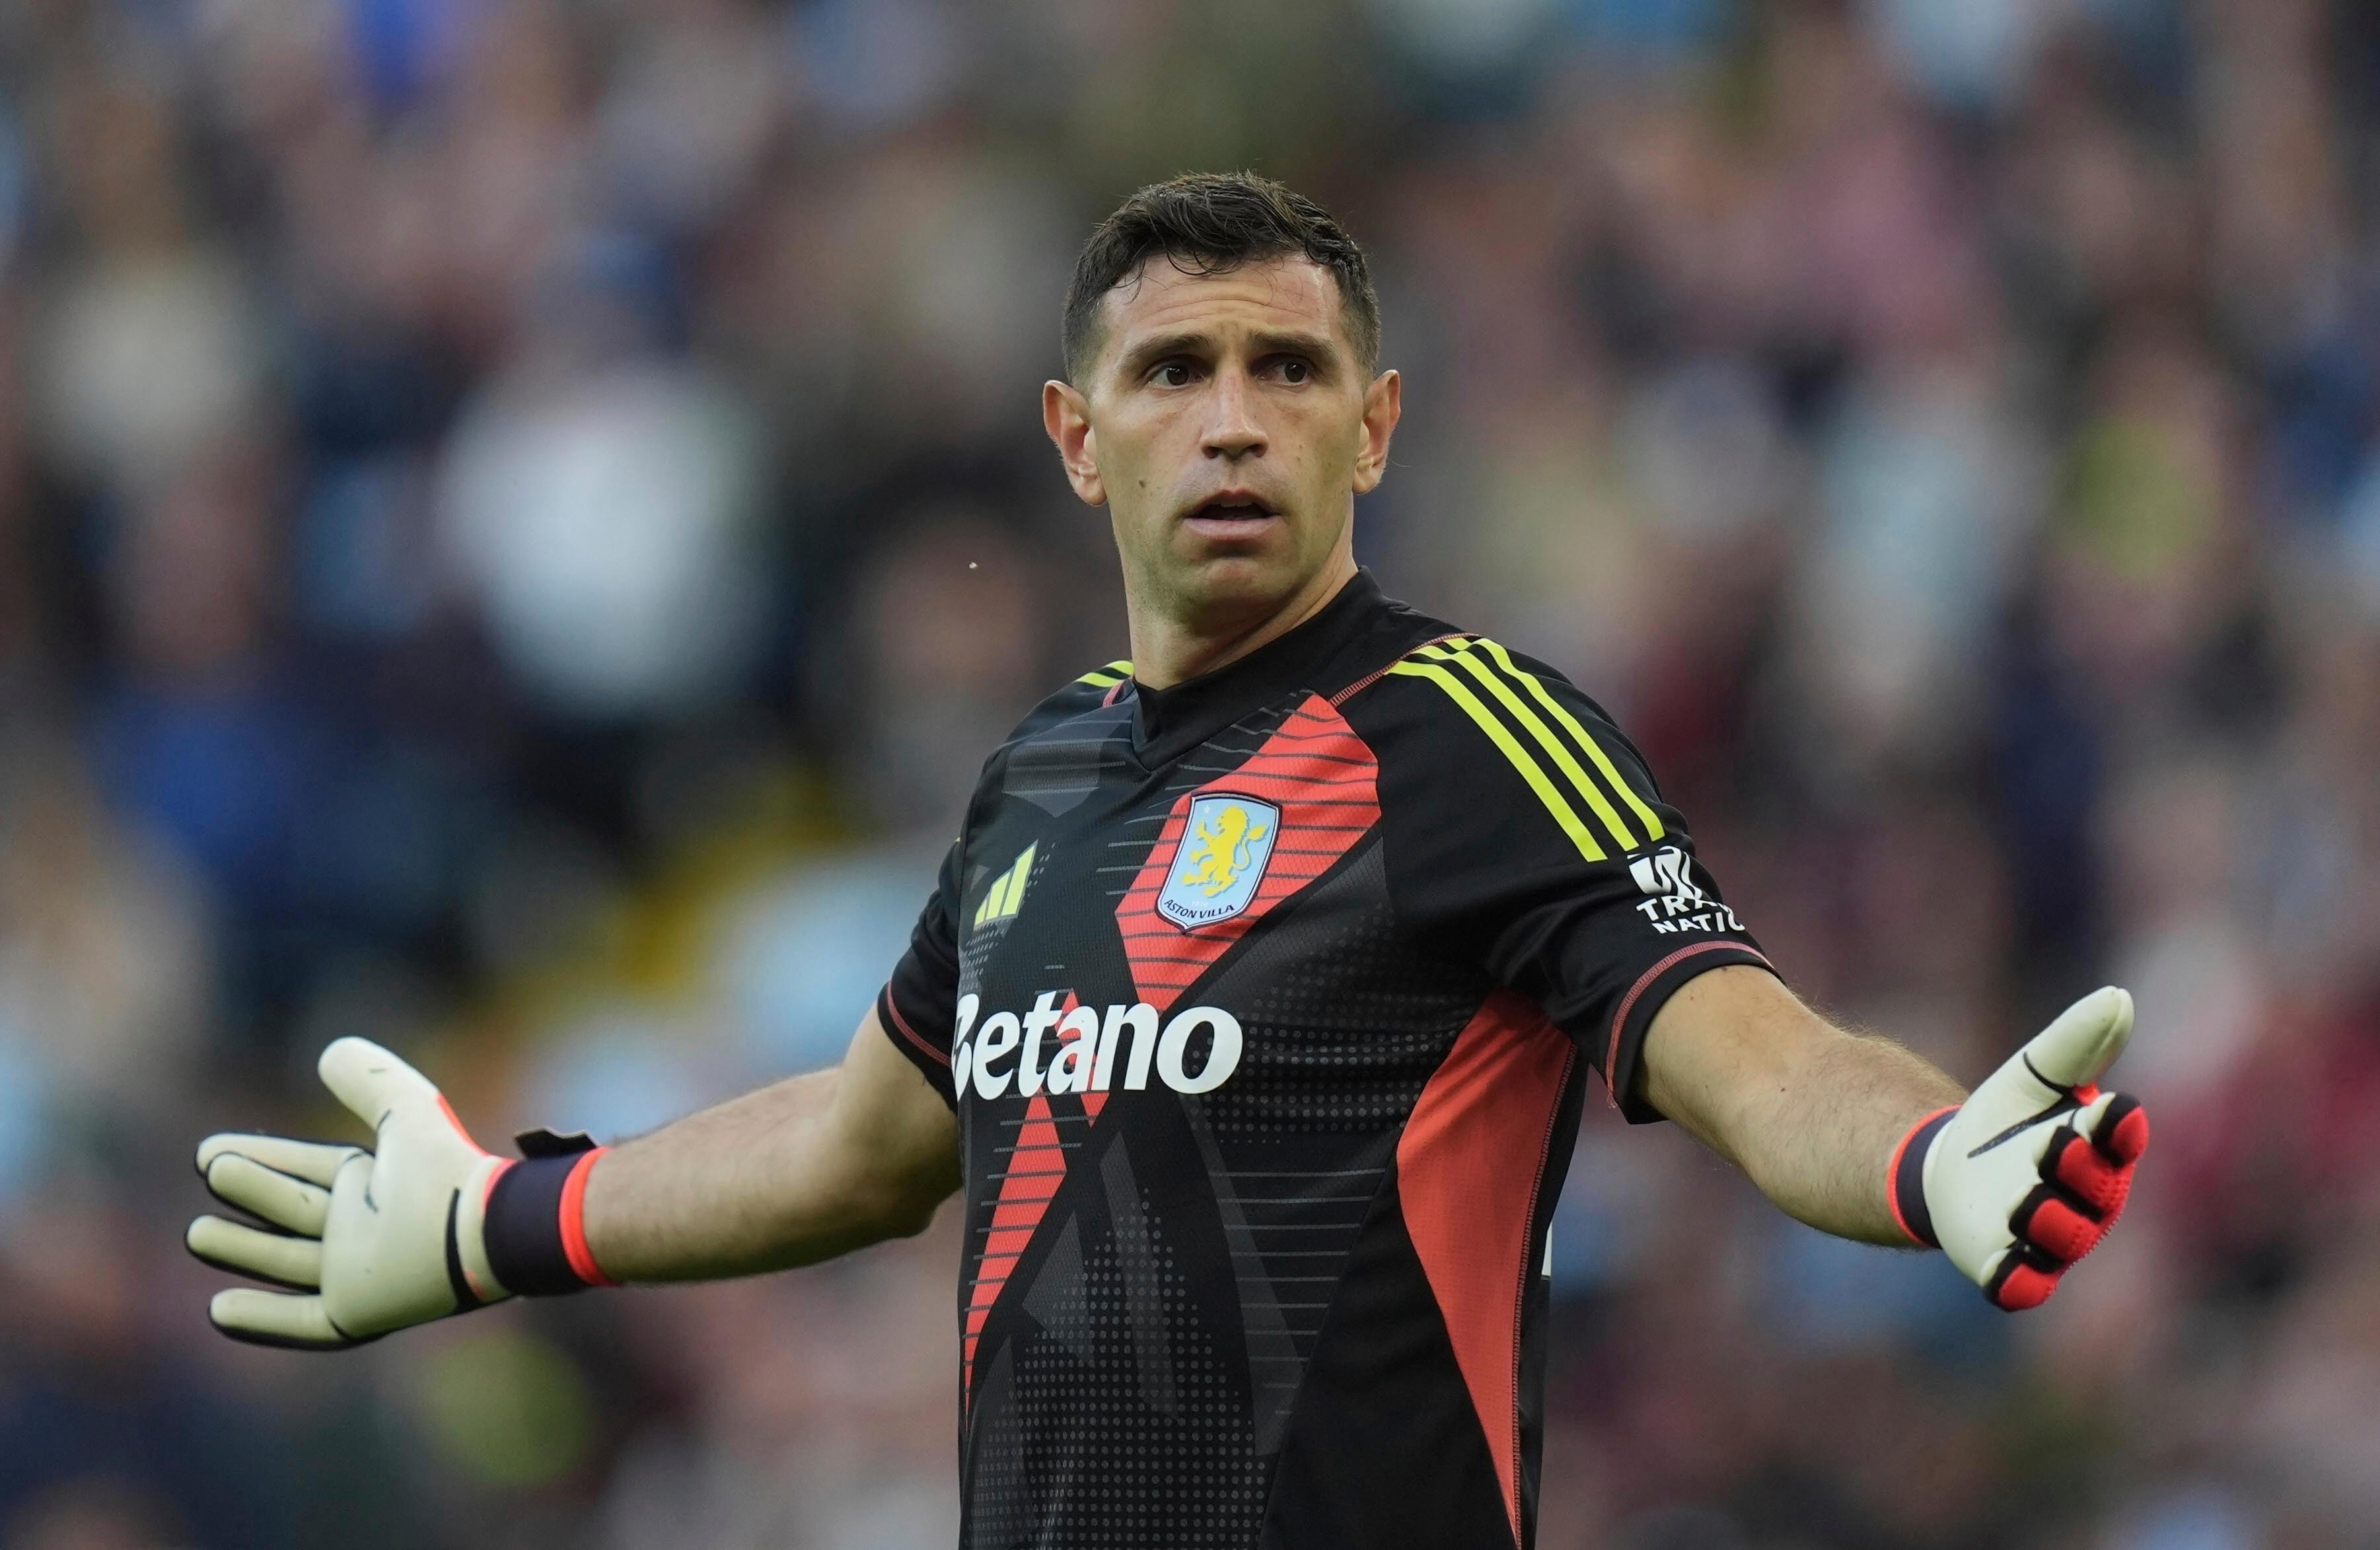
{"type": "Point", "coordinates": [1167, 723]}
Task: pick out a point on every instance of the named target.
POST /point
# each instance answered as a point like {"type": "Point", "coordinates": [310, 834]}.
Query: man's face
{"type": "Point", "coordinates": [1227, 423]}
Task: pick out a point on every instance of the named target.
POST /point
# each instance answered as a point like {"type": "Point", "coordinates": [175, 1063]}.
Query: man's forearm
{"type": "Point", "coordinates": [809, 1168]}
{"type": "Point", "coordinates": [1812, 1113]}
{"type": "Point", "coordinates": [1820, 1145]}
{"type": "Point", "coordinates": [718, 1193]}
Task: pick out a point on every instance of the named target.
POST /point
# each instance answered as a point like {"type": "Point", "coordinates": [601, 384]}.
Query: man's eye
{"type": "Point", "coordinates": [1173, 374]}
{"type": "Point", "coordinates": [1295, 371]}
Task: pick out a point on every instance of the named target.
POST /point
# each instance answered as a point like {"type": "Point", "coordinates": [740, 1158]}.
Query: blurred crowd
{"type": "Point", "coordinates": [518, 519]}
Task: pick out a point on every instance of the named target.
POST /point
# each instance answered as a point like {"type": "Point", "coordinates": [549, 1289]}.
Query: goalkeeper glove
{"type": "Point", "coordinates": [2027, 1176]}
{"type": "Point", "coordinates": [424, 1225]}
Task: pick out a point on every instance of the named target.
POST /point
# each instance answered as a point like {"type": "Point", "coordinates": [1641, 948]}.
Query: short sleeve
{"type": "Point", "coordinates": [1526, 837]}
{"type": "Point", "coordinates": [918, 1003]}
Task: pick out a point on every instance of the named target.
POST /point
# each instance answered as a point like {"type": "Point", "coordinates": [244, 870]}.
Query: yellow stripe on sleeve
{"type": "Point", "coordinates": [1487, 676]}
{"type": "Point", "coordinates": [1651, 820]}
{"type": "Point", "coordinates": [1497, 733]}
{"type": "Point", "coordinates": [1106, 677]}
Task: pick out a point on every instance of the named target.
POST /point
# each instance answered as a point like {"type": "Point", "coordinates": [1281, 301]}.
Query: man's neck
{"type": "Point", "coordinates": [1166, 651]}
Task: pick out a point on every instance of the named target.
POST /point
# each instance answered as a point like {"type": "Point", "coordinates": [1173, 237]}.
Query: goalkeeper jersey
{"type": "Point", "coordinates": [1268, 1004]}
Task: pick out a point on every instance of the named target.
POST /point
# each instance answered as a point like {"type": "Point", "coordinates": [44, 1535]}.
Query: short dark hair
{"type": "Point", "coordinates": [1207, 224]}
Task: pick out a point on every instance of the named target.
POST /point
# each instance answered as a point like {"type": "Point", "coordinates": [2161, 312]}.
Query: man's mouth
{"type": "Point", "coordinates": [1229, 512]}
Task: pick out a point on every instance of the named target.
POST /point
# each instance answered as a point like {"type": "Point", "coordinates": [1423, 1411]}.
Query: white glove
{"type": "Point", "coordinates": [2025, 1177]}
{"type": "Point", "coordinates": [369, 1242]}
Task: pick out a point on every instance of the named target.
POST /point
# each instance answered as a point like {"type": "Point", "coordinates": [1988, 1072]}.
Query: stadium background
{"type": "Point", "coordinates": [519, 517]}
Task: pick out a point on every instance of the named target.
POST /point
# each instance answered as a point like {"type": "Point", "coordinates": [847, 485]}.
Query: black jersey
{"type": "Point", "coordinates": [1262, 1001]}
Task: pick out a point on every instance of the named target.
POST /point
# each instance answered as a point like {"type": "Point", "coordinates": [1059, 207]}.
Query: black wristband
{"type": "Point", "coordinates": [525, 1230]}
{"type": "Point", "coordinates": [1909, 1179]}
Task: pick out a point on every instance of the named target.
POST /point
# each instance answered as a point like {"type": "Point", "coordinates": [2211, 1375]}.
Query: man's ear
{"type": "Point", "coordinates": [1067, 417]}
{"type": "Point", "coordinates": [1383, 404]}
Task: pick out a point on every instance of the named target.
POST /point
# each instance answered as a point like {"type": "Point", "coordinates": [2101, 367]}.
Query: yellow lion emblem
{"type": "Point", "coordinates": [1219, 850]}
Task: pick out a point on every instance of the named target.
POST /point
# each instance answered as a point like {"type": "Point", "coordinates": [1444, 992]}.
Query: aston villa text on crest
{"type": "Point", "coordinates": [1188, 914]}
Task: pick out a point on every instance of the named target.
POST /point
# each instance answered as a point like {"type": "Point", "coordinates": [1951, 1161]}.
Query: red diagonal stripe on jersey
{"type": "Point", "coordinates": [1034, 1168]}
{"type": "Point", "coordinates": [1322, 777]}
{"type": "Point", "coordinates": [1469, 1167]}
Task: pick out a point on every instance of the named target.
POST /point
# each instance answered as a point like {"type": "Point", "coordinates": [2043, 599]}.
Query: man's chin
{"type": "Point", "coordinates": [1221, 587]}
{"type": "Point", "coordinates": [1239, 573]}
{"type": "Point", "coordinates": [1224, 575]}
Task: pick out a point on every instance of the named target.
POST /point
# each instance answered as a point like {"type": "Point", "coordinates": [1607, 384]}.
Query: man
{"type": "Point", "coordinates": [1254, 1011]}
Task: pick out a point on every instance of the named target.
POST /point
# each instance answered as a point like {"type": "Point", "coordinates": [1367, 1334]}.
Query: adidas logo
{"type": "Point", "coordinates": [1007, 889]}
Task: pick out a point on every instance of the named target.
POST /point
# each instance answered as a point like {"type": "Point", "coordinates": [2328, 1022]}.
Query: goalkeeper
{"type": "Point", "coordinates": [1253, 1011]}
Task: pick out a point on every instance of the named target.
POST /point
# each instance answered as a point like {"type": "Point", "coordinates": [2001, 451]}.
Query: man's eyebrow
{"type": "Point", "coordinates": [1148, 352]}
{"type": "Point", "coordinates": [1319, 347]}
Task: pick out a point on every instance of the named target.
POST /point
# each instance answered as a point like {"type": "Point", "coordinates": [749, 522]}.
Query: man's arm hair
{"type": "Point", "coordinates": [810, 1168]}
{"type": "Point", "coordinates": [1812, 1113]}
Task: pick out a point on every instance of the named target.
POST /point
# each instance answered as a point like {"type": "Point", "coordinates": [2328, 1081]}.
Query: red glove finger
{"type": "Point", "coordinates": [2061, 1226]}
{"type": "Point", "coordinates": [2020, 1283]}
{"type": "Point", "coordinates": [2122, 1133]}
{"type": "Point", "coordinates": [2078, 1167]}
{"type": "Point", "coordinates": [2085, 1186]}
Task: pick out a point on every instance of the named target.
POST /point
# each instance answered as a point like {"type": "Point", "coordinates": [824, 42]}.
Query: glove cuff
{"type": "Point", "coordinates": [1904, 1178]}
{"type": "Point", "coordinates": [535, 1232]}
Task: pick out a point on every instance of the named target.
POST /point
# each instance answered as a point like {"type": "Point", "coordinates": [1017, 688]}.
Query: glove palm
{"type": "Point", "coordinates": [367, 1241]}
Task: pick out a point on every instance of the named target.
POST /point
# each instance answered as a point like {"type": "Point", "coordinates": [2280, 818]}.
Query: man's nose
{"type": "Point", "coordinates": [1231, 428]}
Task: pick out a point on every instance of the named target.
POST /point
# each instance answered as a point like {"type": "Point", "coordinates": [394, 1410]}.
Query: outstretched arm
{"type": "Point", "coordinates": [798, 1172]}
{"type": "Point", "coordinates": [1809, 1111]}
{"type": "Point", "coordinates": [1857, 1136]}
{"type": "Point", "coordinates": [426, 1223]}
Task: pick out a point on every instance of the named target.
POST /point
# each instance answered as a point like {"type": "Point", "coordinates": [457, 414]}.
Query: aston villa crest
{"type": "Point", "coordinates": [1219, 861]}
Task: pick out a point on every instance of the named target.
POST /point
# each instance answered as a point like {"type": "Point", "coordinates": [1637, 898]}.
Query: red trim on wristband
{"type": "Point", "coordinates": [1892, 1176]}
{"type": "Point", "coordinates": [573, 1223]}
{"type": "Point", "coordinates": [488, 1190]}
